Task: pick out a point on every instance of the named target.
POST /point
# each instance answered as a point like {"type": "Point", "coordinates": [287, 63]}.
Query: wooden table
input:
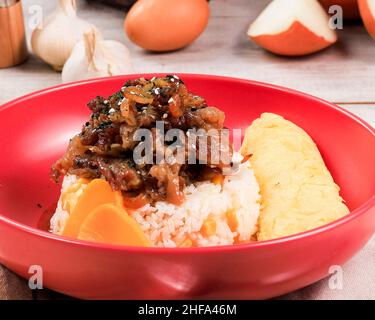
{"type": "Point", "coordinates": [343, 74]}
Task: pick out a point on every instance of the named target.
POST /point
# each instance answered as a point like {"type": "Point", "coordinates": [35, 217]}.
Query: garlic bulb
{"type": "Point", "coordinates": [94, 57]}
{"type": "Point", "coordinates": [53, 40]}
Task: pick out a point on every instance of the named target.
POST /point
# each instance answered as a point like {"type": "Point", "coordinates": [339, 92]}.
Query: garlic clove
{"type": "Point", "coordinates": [94, 57]}
{"type": "Point", "coordinates": [118, 52]}
{"type": "Point", "coordinates": [95, 52]}
{"type": "Point", "coordinates": [53, 40]}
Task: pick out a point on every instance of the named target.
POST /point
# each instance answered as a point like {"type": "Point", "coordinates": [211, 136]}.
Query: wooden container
{"type": "Point", "coordinates": [126, 4]}
{"type": "Point", "coordinates": [117, 3]}
{"type": "Point", "coordinates": [13, 49]}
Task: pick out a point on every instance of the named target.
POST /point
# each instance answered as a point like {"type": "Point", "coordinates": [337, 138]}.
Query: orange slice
{"type": "Point", "coordinates": [97, 192]}
{"type": "Point", "coordinates": [110, 224]}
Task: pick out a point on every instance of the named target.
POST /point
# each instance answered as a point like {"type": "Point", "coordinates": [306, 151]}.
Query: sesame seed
{"type": "Point", "coordinates": [156, 90]}
{"type": "Point", "coordinates": [165, 115]}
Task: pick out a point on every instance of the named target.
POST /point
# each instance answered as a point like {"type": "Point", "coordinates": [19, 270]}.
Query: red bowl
{"type": "Point", "coordinates": [35, 130]}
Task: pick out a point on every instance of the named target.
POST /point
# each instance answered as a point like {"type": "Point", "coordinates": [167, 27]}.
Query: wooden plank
{"type": "Point", "coordinates": [342, 73]}
{"type": "Point", "coordinates": [364, 111]}
{"type": "Point", "coordinates": [12, 287]}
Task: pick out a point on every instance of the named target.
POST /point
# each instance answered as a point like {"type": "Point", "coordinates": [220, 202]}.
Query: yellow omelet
{"type": "Point", "coordinates": [298, 192]}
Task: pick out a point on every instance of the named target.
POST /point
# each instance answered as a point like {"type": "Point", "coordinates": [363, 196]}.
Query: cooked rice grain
{"type": "Point", "coordinates": [168, 225]}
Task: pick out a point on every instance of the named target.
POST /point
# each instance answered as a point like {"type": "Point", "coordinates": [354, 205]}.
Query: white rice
{"type": "Point", "coordinates": [60, 216]}
{"type": "Point", "coordinates": [168, 225]}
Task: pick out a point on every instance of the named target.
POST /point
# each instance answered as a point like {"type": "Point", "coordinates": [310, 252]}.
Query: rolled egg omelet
{"type": "Point", "coordinates": [298, 192]}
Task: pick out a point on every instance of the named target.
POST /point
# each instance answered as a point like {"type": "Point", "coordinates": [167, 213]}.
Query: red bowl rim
{"type": "Point", "coordinates": [201, 250]}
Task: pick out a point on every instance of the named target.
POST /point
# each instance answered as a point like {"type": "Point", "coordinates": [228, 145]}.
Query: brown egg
{"type": "Point", "coordinates": [165, 25]}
